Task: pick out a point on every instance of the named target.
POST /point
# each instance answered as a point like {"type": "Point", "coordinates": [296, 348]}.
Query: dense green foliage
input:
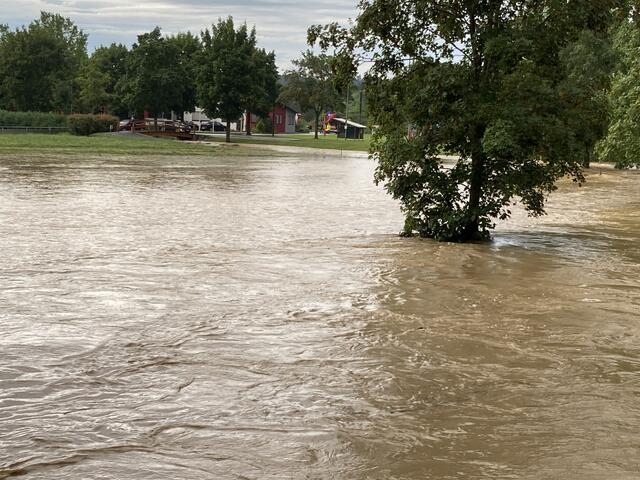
{"type": "Point", "coordinates": [186, 48]}
{"type": "Point", "coordinates": [88, 124]}
{"type": "Point", "coordinates": [31, 119]}
{"type": "Point", "coordinates": [154, 75]}
{"type": "Point", "coordinates": [588, 63]}
{"type": "Point", "coordinates": [312, 85]}
{"type": "Point", "coordinates": [98, 79]}
{"type": "Point", "coordinates": [492, 82]}
{"type": "Point", "coordinates": [264, 86]}
{"type": "Point", "coordinates": [225, 73]}
{"type": "Point", "coordinates": [45, 67]}
{"type": "Point", "coordinates": [622, 142]}
{"type": "Point", "coordinates": [39, 63]}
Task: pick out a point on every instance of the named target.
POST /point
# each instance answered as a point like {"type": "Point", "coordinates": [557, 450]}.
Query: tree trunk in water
{"type": "Point", "coordinates": [587, 161]}
{"type": "Point", "coordinates": [316, 127]}
{"type": "Point", "coordinates": [472, 228]}
{"type": "Point", "coordinates": [248, 126]}
{"type": "Point", "coordinates": [228, 132]}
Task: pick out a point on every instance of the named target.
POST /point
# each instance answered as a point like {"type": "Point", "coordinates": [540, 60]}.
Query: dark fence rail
{"type": "Point", "coordinates": [19, 129]}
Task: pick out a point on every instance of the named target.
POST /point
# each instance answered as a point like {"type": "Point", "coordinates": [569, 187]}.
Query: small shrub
{"type": "Point", "coordinates": [85, 125]}
{"type": "Point", "coordinates": [263, 125]}
{"type": "Point", "coordinates": [106, 123]}
{"type": "Point", "coordinates": [302, 126]}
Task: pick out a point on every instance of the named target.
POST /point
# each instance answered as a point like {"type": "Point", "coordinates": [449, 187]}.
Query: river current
{"type": "Point", "coordinates": [259, 318]}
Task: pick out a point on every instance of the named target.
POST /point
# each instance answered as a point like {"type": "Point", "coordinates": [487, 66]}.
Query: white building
{"type": "Point", "coordinates": [199, 116]}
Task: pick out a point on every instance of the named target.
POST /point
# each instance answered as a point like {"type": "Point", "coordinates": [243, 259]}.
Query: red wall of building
{"type": "Point", "coordinates": [280, 119]}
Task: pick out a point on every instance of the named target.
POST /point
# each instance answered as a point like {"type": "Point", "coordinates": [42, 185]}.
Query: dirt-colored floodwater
{"type": "Point", "coordinates": [260, 319]}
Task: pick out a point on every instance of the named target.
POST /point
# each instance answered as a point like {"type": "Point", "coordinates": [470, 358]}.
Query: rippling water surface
{"type": "Point", "coordinates": [260, 319]}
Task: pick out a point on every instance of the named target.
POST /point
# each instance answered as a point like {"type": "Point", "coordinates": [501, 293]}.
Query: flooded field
{"type": "Point", "coordinates": [261, 319]}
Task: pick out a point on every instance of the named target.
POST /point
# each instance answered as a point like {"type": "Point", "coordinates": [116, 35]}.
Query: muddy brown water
{"type": "Point", "coordinates": [259, 318]}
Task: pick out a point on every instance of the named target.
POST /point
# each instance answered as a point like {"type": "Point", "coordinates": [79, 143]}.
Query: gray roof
{"type": "Point", "coordinates": [350, 123]}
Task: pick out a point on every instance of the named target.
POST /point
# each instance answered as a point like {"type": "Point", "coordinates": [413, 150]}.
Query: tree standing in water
{"type": "Point", "coordinates": [481, 80]}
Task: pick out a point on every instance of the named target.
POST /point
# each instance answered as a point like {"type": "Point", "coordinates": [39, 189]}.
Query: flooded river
{"type": "Point", "coordinates": [261, 319]}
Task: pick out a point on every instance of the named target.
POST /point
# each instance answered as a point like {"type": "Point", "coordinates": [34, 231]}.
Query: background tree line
{"type": "Point", "coordinates": [45, 67]}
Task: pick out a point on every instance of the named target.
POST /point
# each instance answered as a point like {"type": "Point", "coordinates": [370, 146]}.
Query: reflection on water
{"type": "Point", "coordinates": [260, 319]}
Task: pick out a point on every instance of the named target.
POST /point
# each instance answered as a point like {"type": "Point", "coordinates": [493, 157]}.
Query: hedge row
{"type": "Point", "coordinates": [76, 124]}
{"type": "Point", "coordinates": [31, 119]}
{"type": "Point", "coordinates": [81, 124]}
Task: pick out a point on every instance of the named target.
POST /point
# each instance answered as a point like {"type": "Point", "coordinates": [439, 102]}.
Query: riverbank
{"type": "Point", "coordinates": [302, 140]}
{"type": "Point", "coordinates": [115, 144]}
{"type": "Point", "coordinates": [290, 149]}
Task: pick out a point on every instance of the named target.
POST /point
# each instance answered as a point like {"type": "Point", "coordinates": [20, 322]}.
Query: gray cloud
{"type": "Point", "coordinates": [281, 24]}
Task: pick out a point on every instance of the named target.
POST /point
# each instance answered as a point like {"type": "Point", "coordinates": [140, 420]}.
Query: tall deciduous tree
{"type": "Point", "coordinates": [38, 64]}
{"type": "Point", "coordinates": [312, 85]}
{"type": "Point", "coordinates": [224, 76]}
{"type": "Point", "coordinates": [588, 63]}
{"type": "Point", "coordinates": [154, 79]}
{"type": "Point", "coordinates": [188, 48]}
{"type": "Point", "coordinates": [622, 142]}
{"type": "Point", "coordinates": [264, 85]}
{"type": "Point", "coordinates": [478, 79]}
{"type": "Point", "coordinates": [99, 78]}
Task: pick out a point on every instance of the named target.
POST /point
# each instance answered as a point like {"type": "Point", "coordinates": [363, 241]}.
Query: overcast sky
{"type": "Point", "coordinates": [281, 24]}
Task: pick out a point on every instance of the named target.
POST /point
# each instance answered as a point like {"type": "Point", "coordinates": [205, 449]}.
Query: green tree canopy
{"type": "Point", "coordinates": [622, 142]}
{"type": "Point", "coordinates": [263, 91]}
{"type": "Point", "coordinates": [588, 63]}
{"type": "Point", "coordinates": [38, 64]}
{"type": "Point", "coordinates": [154, 79]}
{"type": "Point", "coordinates": [224, 75]}
{"type": "Point", "coordinates": [312, 85]}
{"type": "Point", "coordinates": [188, 49]}
{"type": "Point", "coordinates": [98, 80]}
{"type": "Point", "coordinates": [481, 80]}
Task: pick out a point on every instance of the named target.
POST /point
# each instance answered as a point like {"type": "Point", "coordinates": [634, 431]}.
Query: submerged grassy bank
{"type": "Point", "coordinates": [329, 142]}
{"type": "Point", "coordinates": [124, 144]}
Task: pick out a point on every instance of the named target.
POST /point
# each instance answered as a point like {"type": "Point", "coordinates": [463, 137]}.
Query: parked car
{"type": "Point", "coordinates": [212, 126]}
{"type": "Point", "coordinates": [125, 125]}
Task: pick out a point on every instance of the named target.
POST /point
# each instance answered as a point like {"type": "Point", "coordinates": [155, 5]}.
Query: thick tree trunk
{"type": "Point", "coordinates": [472, 228]}
{"type": "Point", "coordinates": [228, 132]}
{"type": "Point", "coordinates": [316, 126]}
{"type": "Point", "coordinates": [587, 160]}
{"type": "Point", "coordinates": [248, 121]}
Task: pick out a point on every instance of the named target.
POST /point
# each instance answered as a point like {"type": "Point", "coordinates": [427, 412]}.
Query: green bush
{"type": "Point", "coordinates": [81, 124]}
{"type": "Point", "coordinates": [302, 126]}
{"type": "Point", "coordinates": [263, 125]}
{"type": "Point", "coordinates": [31, 119]}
